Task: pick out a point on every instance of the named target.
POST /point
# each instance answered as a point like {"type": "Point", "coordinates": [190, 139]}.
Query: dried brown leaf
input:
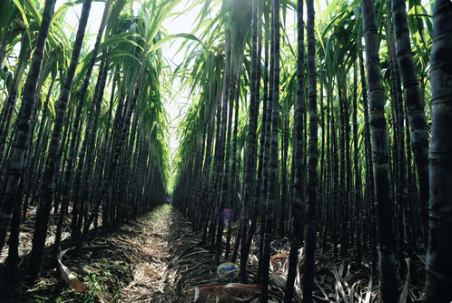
{"type": "Point", "coordinates": [68, 276]}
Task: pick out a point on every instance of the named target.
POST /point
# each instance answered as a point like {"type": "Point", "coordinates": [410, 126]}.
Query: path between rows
{"type": "Point", "coordinates": [154, 259]}
{"type": "Point", "coordinates": [158, 259]}
{"type": "Point", "coordinates": [171, 266]}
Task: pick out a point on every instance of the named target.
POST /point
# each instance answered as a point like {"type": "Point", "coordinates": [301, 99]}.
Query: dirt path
{"type": "Point", "coordinates": [155, 259]}
{"type": "Point", "coordinates": [149, 261]}
{"type": "Point", "coordinates": [133, 264]}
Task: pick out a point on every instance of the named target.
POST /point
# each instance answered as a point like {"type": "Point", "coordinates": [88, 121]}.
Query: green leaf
{"type": "Point", "coordinates": [171, 37]}
{"type": "Point", "coordinates": [25, 20]}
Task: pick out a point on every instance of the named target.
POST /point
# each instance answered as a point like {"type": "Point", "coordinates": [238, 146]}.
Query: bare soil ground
{"type": "Point", "coordinates": [158, 259]}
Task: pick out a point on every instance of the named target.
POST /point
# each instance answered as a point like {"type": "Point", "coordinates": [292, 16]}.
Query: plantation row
{"type": "Point", "coordinates": [340, 141]}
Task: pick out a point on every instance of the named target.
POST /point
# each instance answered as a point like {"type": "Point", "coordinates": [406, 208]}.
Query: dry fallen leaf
{"type": "Point", "coordinates": [196, 295]}
{"type": "Point", "coordinates": [68, 276]}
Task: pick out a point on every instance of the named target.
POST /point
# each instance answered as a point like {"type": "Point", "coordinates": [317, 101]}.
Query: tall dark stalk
{"type": "Point", "coordinates": [43, 212]}
{"type": "Point", "coordinates": [75, 137]}
{"type": "Point", "coordinates": [249, 173]}
{"type": "Point", "coordinates": [263, 157]}
{"type": "Point", "coordinates": [10, 104]}
{"type": "Point", "coordinates": [266, 160]}
{"type": "Point", "coordinates": [23, 134]}
{"type": "Point", "coordinates": [358, 182]}
{"type": "Point", "coordinates": [439, 263]}
{"type": "Point", "coordinates": [311, 216]}
{"type": "Point", "coordinates": [380, 156]}
{"type": "Point", "coordinates": [414, 106]}
{"type": "Point", "coordinates": [296, 205]}
{"type": "Point", "coordinates": [273, 161]}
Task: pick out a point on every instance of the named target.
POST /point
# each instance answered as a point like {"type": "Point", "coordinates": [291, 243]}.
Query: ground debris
{"type": "Point", "coordinates": [158, 259]}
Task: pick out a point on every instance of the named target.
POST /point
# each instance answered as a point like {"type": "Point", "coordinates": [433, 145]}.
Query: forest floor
{"type": "Point", "coordinates": [158, 259]}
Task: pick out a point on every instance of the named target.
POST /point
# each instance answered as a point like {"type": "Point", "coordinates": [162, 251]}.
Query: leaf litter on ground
{"type": "Point", "coordinates": [159, 259]}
